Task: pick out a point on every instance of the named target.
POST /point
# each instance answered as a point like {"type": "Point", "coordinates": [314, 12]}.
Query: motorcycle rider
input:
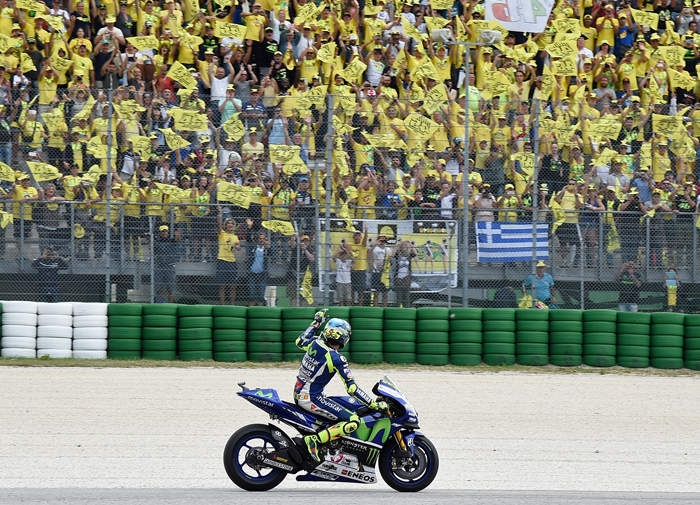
{"type": "Point", "coordinates": [321, 361]}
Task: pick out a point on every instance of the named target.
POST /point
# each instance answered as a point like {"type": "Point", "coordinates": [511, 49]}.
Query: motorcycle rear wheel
{"type": "Point", "coordinates": [247, 476]}
{"type": "Point", "coordinates": [414, 474]}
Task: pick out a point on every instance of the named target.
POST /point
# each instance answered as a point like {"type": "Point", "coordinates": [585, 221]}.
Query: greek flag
{"type": "Point", "coordinates": [509, 242]}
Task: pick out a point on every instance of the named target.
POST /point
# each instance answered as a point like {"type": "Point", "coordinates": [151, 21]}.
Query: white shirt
{"type": "Point", "coordinates": [379, 257]}
{"type": "Point", "coordinates": [218, 89]}
{"type": "Point", "coordinates": [343, 269]}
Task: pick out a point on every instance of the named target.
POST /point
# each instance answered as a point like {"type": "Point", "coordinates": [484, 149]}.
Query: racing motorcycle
{"type": "Point", "coordinates": [258, 457]}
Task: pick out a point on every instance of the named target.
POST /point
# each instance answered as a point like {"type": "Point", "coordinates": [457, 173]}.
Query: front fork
{"type": "Point", "coordinates": [405, 443]}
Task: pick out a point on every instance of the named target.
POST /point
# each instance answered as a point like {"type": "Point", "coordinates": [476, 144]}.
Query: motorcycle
{"type": "Point", "coordinates": [258, 457]}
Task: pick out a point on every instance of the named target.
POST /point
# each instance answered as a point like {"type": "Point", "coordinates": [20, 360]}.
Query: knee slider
{"type": "Point", "coordinates": [351, 425]}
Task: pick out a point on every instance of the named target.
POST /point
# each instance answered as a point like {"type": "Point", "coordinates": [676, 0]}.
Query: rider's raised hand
{"type": "Point", "coordinates": [320, 317]}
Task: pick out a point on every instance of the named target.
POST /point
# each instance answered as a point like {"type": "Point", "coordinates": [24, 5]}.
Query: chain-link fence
{"type": "Point", "coordinates": [348, 199]}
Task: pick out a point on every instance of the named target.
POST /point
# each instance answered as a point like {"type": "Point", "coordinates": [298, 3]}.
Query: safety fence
{"type": "Point", "coordinates": [427, 336]}
{"type": "Point", "coordinates": [173, 252]}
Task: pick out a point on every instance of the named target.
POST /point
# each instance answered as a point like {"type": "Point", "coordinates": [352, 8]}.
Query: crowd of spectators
{"type": "Point", "coordinates": [272, 66]}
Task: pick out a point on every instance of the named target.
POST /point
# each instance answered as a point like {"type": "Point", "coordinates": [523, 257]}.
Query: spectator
{"type": "Point", "coordinates": [48, 266]}
{"type": "Point", "coordinates": [380, 255]}
{"type": "Point", "coordinates": [258, 249]}
{"type": "Point", "coordinates": [571, 202]}
{"type": "Point", "coordinates": [402, 257]}
{"type": "Point", "coordinates": [165, 256]}
{"type": "Point", "coordinates": [358, 251]}
{"type": "Point", "coordinates": [343, 281]}
{"type": "Point", "coordinates": [628, 226]}
{"type": "Point", "coordinates": [226, 268]}
{"type": "Point", "coordinates": [543, 285]}
{"type": "Point", "coordinates": [630, 284]}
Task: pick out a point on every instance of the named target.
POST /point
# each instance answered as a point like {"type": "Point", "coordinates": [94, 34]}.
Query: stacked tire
{"type": "Point", "coordinates": [54, 330]}
{"type": "Point", "coordinates": [667, 332]}
{"type": "Point", "coordinates": [599, 338]}
{"type": "Point", "coordinates": [400, 335]}
{"type": "Point", "coordinates": [433, 336]}
{"type": "Point", "coordinates": [532, 337]}
{"type": "Point", "coordinates": [265, 334]}
{"type": "Point", "coordinates": [294, 321]}
{"type": "Point", "coordinates": [125, 330]}
{"type": "Point", "coordinates": [499, 336]}
{"type": "Point", "coordinates": [229, 334]}
{"type": "Point", "coordinates": [19, 321]}
{"type": "Point", "coordinates": [367, 334]}
{"type": "Point", "coordinates": [565, 337]}
{"type": "Point", "coordinates": [90, 323]}
{"type": "Point", "coordinates": [633, 339]}
{"type": "Point", "coordinates": [159, 335]}
{"type": "Point", "coordinates": [195, 332]}
{"type": "Point", "coordinates": [691, 353]}
{"type": "Point", "coordinates": [466, 336]}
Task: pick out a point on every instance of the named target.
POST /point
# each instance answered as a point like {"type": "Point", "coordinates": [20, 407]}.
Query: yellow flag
{"type": "Point", "coordinates": [144, 42]}
{"type": "Point", "coordinates": [230, 30]}
{"type": "Point", "coordinates": [650, 213]}
{"type": "Point", "coordinates": [43, 171]}
{"type": "Point", "coordinates": [234, 127]}
{"type": "Point", "coordinates": [189, 120]}
{"type": "Point", "coordinates": [618, 191]}
{"type": "Point", "coordinates": [283, 227]}
{"type": "Point", "coordinates": [7, 173]}
{"type": "Point", "coordinates": [174, 140]}
{"type": "Point", "coordinates": [5, 219]}
{"type": "Point", "coordinates": [344, 214]}
{"type": "Point", "coordinates": [233, 193]}
{"type": "Point", "coordinates": [178, 72]}
{"type": "Point", "coordinates": [558, 213]}
{"type": "Point", "coordinates": [306, 287]}
{"type": "Point", "coordinates": [697, 222]}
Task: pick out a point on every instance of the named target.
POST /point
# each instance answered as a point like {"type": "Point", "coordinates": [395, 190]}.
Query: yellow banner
{"type": "Point", "coordinates": [283, 227]}
{"type": "Point", "coordinates": [673, 55]}
{"type": "Point", "coordinates": [179, 73]}
{"type": "Point", "coordinates": [678, 80]}
{"type": "Point", "coordinates": [31, 5]}
{"type": "Point", "coordinates": [441, 4]}
{"type": "Point", "coordinates": [230, 30]}
{"type": "Point", "coordinates": [340, 128]}
{"type": "Point", "coordinates": [567, 25]}
{"type": "Point", "coordinates": [234, 127]}
{"type": "Point", "coordinates": [283, 154]}
{"type": "Point", "coordinates": [558, 214]}
{"type": "Point", "coordinates": [561, 49]}
{"type": "Point", "coordinates": [189, 120]}
{"type": "Point", "coordinates": [326, 53]}
{"type": "Point", "coordinates": [668, 126]}
{"type": "Point", "coordinates": [7, 173]}
{"type": "Point", "coordinates": [43, 171]}
{"type": "Point", "coordinates": [141, 145]}
{"type": "Point", "coordinates": [435, 98]}
{"type": "Point", "coordinates": [5, 219]}
{"type": "Point", "coordinates": [354, 70]}
{"type": "Point", "coordinates": [144, 42]}
{"type": "Point", "coordinates": [646, 18]}
{"type": "Point", "coordinates": [233, 193]}
{"type": "Point", "coordinates": [606, 128]}
{"type": "Point", "coordinates": [421, 126]}
{"type": "Point", "coordinates": [435, 23]}
{"type": "Point", "coordinates": [565, 66]}
{"type": "Point", "coordinates": [174, 140]}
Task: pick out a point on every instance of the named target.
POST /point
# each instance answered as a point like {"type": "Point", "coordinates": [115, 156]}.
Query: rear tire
{"type": "Point", "coordinates": [253, 436]}
{"type": "Point", "coordinates": [416, 475]}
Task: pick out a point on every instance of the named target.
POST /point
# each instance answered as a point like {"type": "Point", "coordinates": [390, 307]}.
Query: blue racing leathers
{"type": "Point", "coordinates": [320, 364]}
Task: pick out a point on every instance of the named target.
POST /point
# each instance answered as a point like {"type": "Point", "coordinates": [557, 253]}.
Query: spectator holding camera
{"type": "Point", "coordinates": [48, 266]}
{"type": "Point", "coordinates": [628, 225]}
{"type": "Point", "coordinates": [402, 257]}
{"type": "Point", "coordinates": [380, 255]}
{"type": "Point", "coordinates": [343, 281]}
{"type": "Point", "coordinates": [630, 284]}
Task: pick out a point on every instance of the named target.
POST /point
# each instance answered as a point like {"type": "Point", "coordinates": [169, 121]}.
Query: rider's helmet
{"type": "Point", "coordinates": [337, 331]}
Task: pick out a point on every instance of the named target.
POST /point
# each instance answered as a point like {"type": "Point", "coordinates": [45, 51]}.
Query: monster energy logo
{"type": "Point", "coordinates": [264, 395]}
{"type": "Point", "coordinates": [372, 456]}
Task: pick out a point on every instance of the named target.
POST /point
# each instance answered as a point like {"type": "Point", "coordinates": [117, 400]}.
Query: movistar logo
{"type": "Point", "coordinates": [312, 352]}
{"type": "Point", "coordinates": [381, 428]}
{"type": "Point", "coordinates": [264, 395]}
{"type": "Point", "coordinates": [372, 456]}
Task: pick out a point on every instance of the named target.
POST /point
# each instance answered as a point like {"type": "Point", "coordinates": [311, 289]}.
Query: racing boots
{"type": "Point", "coordinates": [312, 442]}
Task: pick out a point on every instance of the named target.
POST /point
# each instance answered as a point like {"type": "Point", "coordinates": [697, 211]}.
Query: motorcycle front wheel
{"type": "Point", "coordinates": [243, 473]}
{"type": "Point", "coordinates": [409, 474]}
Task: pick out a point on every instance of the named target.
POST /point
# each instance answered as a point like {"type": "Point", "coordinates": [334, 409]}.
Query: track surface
{"type": "Point", "coordinates": [503, 438]}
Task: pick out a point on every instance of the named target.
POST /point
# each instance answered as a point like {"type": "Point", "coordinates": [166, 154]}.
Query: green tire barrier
{"type": "Point", "coordinates": [532, 337]}
{"type": "Point", "coordinates": [195, 333]}
{"type": "Point", "coordinates": [498, 336]}
{"type": "Point", "coordinates": [565, 337]}
{"type": "Point", "coordinates": [431, 335]}
{"type": "Point", "coordinates": [124, 333]}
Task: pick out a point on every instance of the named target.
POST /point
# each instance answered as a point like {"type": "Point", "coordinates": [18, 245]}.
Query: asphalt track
{"type": "Point", "coordinates": [155, 436]}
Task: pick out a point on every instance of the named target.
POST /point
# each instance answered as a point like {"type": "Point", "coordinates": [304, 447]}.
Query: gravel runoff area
{"type": "Point", "coordinates": [167, 427]}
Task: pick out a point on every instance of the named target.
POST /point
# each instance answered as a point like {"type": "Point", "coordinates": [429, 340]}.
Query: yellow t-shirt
{"type": "Point", "coordinates": [20, 193]}
{"type": "Point", "coordinates": [254, 24]}
{"type": "Point", "coordinates": [227, 246]}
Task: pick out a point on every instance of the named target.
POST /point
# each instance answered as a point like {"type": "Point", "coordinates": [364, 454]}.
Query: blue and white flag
{"type": "Point", "coordinates": [510, 242]}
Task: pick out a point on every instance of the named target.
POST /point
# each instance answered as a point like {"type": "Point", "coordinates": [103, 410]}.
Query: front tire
{"type": "Point", "coordinates": [254, 437]}
{"type": "Point", "coordinates": [413, 474]}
